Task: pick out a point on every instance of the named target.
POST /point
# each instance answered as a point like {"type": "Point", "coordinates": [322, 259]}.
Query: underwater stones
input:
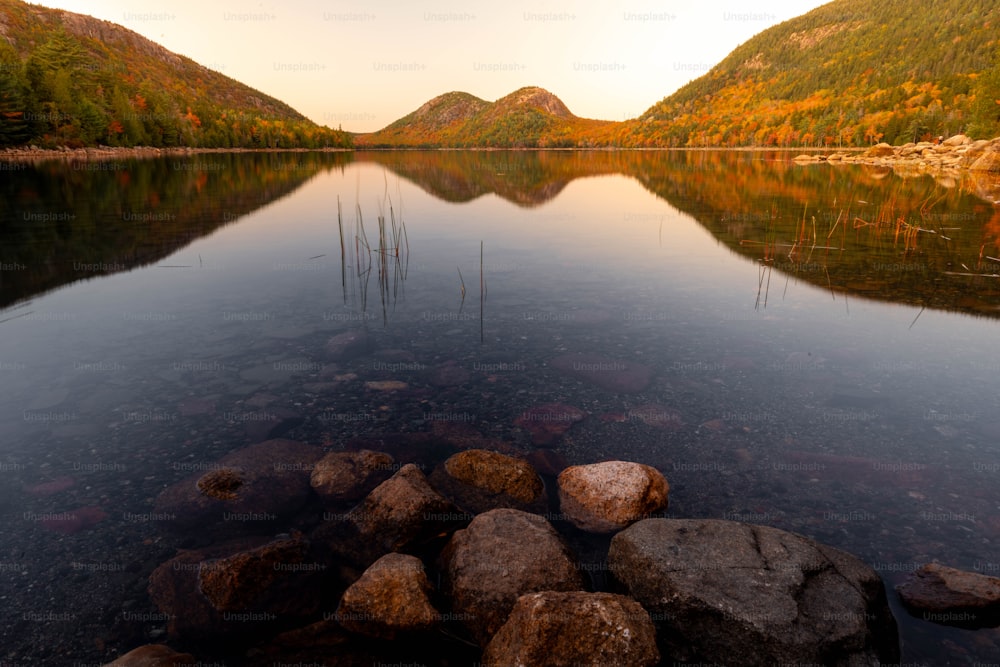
{"type": "Point", "coordinates": [153, 655]}
{"type": "Point", "coordinates": [574, 628]}
{"type": "Point", "coordinates": [754, 595]}
{"type": "Point", "coordinates": [391, 598]}
{"type": "Point", "coordinates": [348, 345]}
{"type": "Point", "coordinates": [346, 476]}
{"type": "Point", "coordinates": [952, 596]}
{"type": "Point", "coordinates": [608, 496]}
{"type": "Point", "coordinates": [547, 423]}
{"type": "Point", "coordinates": [502, 555]}
{"type": "Point", "coordinates": [245, 491]}
{"type": "Point", "coordinates": [611, 374]}
{"type": "Point", "coordinates": [479, 480]}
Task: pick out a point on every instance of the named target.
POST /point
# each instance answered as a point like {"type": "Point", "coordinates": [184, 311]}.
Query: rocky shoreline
{"type": "Point", "coordinates": [955, 154]}
{"type": "Point", "coordinates": [293, 554]}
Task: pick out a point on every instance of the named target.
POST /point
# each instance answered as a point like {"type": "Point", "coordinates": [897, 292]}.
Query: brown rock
{"type": "Point", "coordinates": [547, 423]}
{"type": "Point", "coordinates": [957, 140]}
{"type": "Point", "coordinates": [951, 596]}
{"type": "Point", "coordinates": [276, 579]}
{"type": "Point", "coordinates": [174, 589]}
{"type": "Point", "coordinates": [608, 496]}
{"type": "Point", "coordinates": [402, 513]}
{"type": "Point", "coordinates": [574, 628]}
{"type": "Point", "coordinates": [480, 480]}
{"type": "Point", "coordinates": [348, 345]}
{"type": "Point", "coordinates": [502, 555]}
{"type": "Point", "coordinates": [390, 599]}
{"type": "Point", "coordinates": [989, 161]}
{"type": "Point", "coordinates": [611, 374]}
{"type": "Point", "coordinates": [153, 655]}
{"type": "Point", "coordinates": [247, 491]}
{"type": "Point", "coordinates": [725, 586]}
{"type": "Point", "coordinates": [349, 476]}
{"type": "Point", "coordinates": [880, 150]}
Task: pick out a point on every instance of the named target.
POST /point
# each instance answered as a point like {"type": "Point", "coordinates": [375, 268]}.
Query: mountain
{"type": "Point", "coordinates": [72, 80]}
{"type": "Point", "coordinates": [530, 117]}
{"type": "Point", "coordinates": [851, 72]}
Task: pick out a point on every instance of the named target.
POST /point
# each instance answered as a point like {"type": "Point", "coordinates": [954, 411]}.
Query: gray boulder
{"type": "Point", "coordinates": [744, 594]}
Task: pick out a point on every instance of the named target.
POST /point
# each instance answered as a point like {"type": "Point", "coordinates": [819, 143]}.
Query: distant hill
{"type": "Point", "coordinates": [72, 80]}
{"type": "Point", "coordinates": [530, 117]}
{"type": "Point", "coordinates": [851, 72]}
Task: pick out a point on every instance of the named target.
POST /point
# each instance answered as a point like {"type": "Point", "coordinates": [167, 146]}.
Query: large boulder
{"type": "Point", "coordinates": [951, 596]}
{"type": "Point", "coordinates": [479, 480]}
{"type": "Point", "coordinates": [608, 496]}
{"type": "Point", "coordinates": [574, 628]}
{"type": "Point", "coordinates": [502, 555]}
{"type": "Point", "coordinates": [250, 490]}
{"type": "Point", "coordinates": [743, 594]}
{"type": "Point", "coordinates": [391, 598]}
{"type": "Point", "coordinates": [350, 476]}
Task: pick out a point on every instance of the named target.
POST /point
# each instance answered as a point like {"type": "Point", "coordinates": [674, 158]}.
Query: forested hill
{"type": "Point", "coordinates": [72, 80]}
{"type": "Point", "coordinates": [530, 117]}
{"type": "Point", "coordinates": [851, 72]}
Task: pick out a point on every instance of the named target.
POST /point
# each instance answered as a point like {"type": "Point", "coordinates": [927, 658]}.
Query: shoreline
{"type": "Point", "coordinates": [35, 154]}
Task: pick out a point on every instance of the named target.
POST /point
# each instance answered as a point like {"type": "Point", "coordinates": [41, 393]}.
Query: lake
{"type": "Point", "coordinates": [807, 347]}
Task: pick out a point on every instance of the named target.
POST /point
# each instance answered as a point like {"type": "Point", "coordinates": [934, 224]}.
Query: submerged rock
{"type": "Point", "coordinates": [347, 476]}
{"type": "Point", "coordinates": [574, 628]}
{"type": "Point", "coordinates": [247, 491]}
{"type": "Point", "coordinates": [754, 595]}
{"type": "Point", "coordinates": [608, 496]}
{"type": "Point", "coordinates": [953, 597]}
{"type": "Point", "coordinates": [348, 345]}
{"type": "Point", "coordinates": [502, 555]}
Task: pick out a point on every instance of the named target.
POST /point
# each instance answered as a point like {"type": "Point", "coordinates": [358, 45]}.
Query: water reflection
{"type": "Point", "coordinates": [63, 221]}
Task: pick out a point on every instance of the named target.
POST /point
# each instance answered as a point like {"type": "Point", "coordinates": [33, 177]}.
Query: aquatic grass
{"type": "Point", "coordinates": [392, 242]}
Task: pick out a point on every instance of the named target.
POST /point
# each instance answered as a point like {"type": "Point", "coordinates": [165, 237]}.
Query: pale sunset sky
{"type": "Point", "coordinates": [362, 65]}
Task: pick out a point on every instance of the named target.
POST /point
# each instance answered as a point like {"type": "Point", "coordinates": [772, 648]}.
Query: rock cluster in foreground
{"type": "Point", "coordinates": [471, 564]}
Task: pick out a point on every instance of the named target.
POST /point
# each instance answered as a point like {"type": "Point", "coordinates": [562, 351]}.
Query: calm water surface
{"type": "Point", "coordinates": [821, 344]}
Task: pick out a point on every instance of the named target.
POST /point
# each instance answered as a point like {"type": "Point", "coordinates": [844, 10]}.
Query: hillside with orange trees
{"type": "Point", "coordinates": [849, 73]}
{"type": "Point", "coordinates": [72, 80]}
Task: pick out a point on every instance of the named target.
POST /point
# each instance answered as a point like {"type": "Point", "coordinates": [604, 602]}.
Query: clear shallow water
{"type": "Point", "coordinates": [849, 394]}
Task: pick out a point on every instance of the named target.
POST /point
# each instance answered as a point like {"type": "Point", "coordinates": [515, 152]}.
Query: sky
{"type": "Point", "coordinates": [361, 65]}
